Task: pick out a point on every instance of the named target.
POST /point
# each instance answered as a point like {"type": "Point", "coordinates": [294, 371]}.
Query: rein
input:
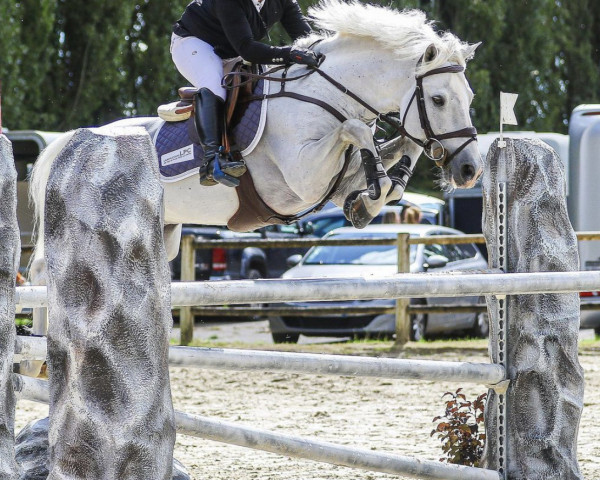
{"type": "Point", "coordinates": [432, 146]}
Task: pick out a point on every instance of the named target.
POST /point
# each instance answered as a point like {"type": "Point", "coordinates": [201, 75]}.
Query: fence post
{"type": "Point", "coordinates": [402, 316]}
{"type": "Point", "coordinates": [531, 428]}
{"type": "Point", "coordinates": [10, 245]}
{"type": "Point", "coordinates": [188, 267]}
{"type": "Point", "coordinates": [109, 304]}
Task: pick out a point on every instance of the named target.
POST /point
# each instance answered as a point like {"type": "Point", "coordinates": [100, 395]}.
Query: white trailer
{"type": "Point", "coordinates": [584, 179]}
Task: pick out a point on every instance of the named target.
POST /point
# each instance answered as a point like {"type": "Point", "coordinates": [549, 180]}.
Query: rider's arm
{"type": "Point", "coordinates": [238, 32]}
{"type": "Point", "coordinates": [293, 20]}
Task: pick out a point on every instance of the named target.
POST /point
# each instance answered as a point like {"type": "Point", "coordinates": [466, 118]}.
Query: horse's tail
{"type": "Point", "coordinates": [37, 195]}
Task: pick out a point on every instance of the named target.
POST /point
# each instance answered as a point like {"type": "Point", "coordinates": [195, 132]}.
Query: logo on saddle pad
{"type": "Point", "coordinates": [184, 154]}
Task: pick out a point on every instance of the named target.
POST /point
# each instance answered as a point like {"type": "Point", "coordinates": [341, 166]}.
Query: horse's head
{"type": "Point", "coordinates": [436, 116]}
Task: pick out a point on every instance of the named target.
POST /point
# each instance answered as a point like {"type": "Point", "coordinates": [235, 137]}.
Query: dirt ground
{"type": "Point", "coordinates": [392, 416]}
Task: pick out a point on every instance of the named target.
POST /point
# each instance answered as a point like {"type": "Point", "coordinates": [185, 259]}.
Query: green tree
{"type": "Point", "coordinates": [38, 18]}
{"type": "Point", "coordinates": [150, 75]}
{"type": "Point", "coordinates": [578, 60]}
{"type": "Point", "coordinates": [67, 64]}
{"type": "Point", "coordinates": [90, 45]}
{"type": "Point", "coordinates": [12, 57]}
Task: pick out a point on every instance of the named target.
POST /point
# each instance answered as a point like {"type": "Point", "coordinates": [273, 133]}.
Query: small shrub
{"type": "Point", "coordinates": [461, 430]}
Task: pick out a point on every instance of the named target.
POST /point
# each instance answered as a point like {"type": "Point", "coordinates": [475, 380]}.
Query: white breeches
{"type": "Point", "coordinates": [198, 63]}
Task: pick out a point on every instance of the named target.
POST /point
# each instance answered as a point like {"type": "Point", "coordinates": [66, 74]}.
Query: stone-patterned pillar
{"type": "Point", "coordinates": [10, 250]}
{"type": "Point", "coordinates": [545, 397]}
{"type": "Point", "coordinates": [111, 415]}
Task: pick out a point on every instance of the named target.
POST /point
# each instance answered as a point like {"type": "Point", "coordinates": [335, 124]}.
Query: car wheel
{"type": "Point", "coordinates": [418, 326]}
{"type": "Point", "coordinates": [254, 274]}
{"type": "Point", "coordinates": [285, 337]}
{"type": "Point", "coordinates": [481, 326]}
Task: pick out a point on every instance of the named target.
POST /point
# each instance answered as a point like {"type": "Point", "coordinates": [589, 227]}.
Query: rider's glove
{"type": "Point", "coordinates": [304, 57]}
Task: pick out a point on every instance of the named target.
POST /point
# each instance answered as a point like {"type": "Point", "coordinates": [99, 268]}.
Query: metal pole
{"type": "Point", "coordinates": [418, 285]}
{"type": "Point", "coordinates": [188, 263]}
{"type": "Point", "coordinates": [319, 451]}
{"type": "Point", "coordinates": [403, 326]}
{"type": "Point", "coordinates": [310, 363]}
{"type": "Point", "coordinates": [345, 365]}
{"type": "Point", "coordinates": [288, 445]}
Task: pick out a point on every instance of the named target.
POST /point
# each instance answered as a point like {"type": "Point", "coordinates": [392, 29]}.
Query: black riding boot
{"type": "Point", "coordinates": [216, 166]}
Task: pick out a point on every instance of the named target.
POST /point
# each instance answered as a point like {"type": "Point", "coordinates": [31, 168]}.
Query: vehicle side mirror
{"type": "Point", "coordinates": [435, 261]}
{"type": "Point", "coordinates": [293, 260]}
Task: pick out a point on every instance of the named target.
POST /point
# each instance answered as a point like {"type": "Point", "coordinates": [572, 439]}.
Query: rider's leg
{"type": "Point", "coordinates": [198, 63]}
{"type": "Point", "coordinates": [208, 111]}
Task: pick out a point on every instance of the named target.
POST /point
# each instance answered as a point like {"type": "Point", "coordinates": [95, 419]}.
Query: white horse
{"type": "Point", "coordinates": [378, 60]}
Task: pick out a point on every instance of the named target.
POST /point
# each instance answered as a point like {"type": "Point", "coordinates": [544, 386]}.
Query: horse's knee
{"type": "Point", "coordinates": [358, 134]}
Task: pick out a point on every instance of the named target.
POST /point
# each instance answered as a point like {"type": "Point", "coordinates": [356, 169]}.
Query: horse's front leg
{"type": "Point", "coordinates": [361, 206]}
{"type": "Point", "coordinates": [310, 188]}
{"type": "Point", "coordinates": [399, 157]}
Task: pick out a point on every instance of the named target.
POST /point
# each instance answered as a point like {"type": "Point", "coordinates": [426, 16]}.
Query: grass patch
{"type": "Point", "coordinates": [23, 322]}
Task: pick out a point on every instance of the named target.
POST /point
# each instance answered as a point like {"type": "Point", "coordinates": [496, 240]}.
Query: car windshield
{"type": "Point", "coordinates": [356, 255]}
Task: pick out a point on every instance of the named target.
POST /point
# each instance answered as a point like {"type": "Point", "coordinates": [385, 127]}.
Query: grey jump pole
{"type": "Point", "coordinates": [309, 363]}
{"type": "Point", "coordinates": [418, 285]}
{"type": "Point", "coordinates": [532, 427]}
{"type": "Point", "coordinates": [111, 414]}
{"type": "Point", "coordinates": [10, 249]}
{"type": "Point", "coordinates": [293, 446]}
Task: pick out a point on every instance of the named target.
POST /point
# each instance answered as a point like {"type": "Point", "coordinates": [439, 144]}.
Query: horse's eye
{"type": "Point", "coordinates": [438, 100]}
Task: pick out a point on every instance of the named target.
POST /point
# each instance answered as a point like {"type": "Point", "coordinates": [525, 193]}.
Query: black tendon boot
{"type": "Point", "coordinates": [216, 166]}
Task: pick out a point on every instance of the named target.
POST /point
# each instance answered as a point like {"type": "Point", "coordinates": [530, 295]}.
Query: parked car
{"type": "Point", "coordinates": [240, 263]}
{"type": "Point", "coordinates": [253, 263]}
{"type": "Point", "coordinates": [381, 261]}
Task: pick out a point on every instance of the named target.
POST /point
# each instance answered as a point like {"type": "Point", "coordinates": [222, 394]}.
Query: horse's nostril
{"type": "Point", "coordinates": [467, 172]}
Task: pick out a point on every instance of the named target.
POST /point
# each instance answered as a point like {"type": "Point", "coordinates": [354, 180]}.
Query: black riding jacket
{"type": "Point", "coordinates": [233, 27]}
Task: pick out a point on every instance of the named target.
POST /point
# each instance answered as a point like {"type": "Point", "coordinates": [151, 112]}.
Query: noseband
{"type": "Point", "coordinates": [432, 146]}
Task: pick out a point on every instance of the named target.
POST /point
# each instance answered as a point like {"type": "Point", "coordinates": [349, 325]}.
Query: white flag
{"type": "Point", "coordinates": [507, 103]}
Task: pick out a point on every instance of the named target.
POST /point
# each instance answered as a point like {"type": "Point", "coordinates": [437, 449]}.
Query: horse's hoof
{"type": "Point", "coordinates": [356, 211]}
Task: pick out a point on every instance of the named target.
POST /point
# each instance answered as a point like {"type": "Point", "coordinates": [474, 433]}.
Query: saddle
{"type": "Point", "coordinates": [239, 87]}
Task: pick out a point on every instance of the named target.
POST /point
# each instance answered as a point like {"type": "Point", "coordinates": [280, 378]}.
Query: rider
{"type": "Point", "coordinates": [210, 31]}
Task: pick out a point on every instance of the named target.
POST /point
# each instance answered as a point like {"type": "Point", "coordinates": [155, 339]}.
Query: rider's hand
{"type": "Point", "coordinates": [304, 57]}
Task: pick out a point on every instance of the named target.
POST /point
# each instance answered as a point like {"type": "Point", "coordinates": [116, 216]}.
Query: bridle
{"type": "Point", "coordinates": [432, 146]}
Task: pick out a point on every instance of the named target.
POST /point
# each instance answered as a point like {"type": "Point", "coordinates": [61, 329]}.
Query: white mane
{"type": "Point", "coordinates": [407, 33]}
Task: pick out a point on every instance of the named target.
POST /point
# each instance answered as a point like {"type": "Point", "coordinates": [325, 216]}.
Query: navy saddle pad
{"type": "Point", "coordinates": [178, 146]}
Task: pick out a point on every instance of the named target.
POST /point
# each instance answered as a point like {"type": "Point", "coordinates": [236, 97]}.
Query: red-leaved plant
{"type": "Point", "coordinates": [461, 430]}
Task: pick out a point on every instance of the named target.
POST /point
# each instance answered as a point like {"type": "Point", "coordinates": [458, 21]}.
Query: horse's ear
{"type": "Point", "coordinates": [469, 50]}
{"type": "Point", "coordinates": [430, 53]}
